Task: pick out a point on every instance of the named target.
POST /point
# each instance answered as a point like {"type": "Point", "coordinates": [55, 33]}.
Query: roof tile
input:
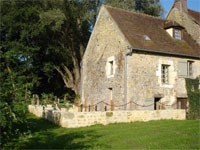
{"type": "Point", "coordinates": [135, 25]}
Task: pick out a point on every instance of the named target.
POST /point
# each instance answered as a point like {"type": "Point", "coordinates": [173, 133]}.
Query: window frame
{"type": "Point", "coordinates": [165, 74]}
{"type": "Point", "coordinates": [177, 34]}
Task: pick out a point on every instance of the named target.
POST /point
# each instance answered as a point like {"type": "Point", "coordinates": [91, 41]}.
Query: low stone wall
{"type": "Point", "coordinates": [82, 119]}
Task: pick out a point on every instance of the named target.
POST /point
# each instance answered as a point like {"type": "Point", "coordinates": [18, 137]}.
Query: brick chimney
{"type": "Point", "coordinates": [181, 5]}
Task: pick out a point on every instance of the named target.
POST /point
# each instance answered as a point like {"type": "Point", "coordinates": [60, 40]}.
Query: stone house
{"type": "Point", "coordinates": [135, 61]}
{"type": "Point", "coordinates": [188, 18]}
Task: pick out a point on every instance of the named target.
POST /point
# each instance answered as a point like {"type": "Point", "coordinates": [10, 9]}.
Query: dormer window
{"type": "Point", "coordinates": [174, 29]}
{"type": "Point", "coordinates": [177, 34]}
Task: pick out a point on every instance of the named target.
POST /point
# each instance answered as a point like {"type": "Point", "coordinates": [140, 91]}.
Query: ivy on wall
{"type": "Point", "coordinates": [193, 92]}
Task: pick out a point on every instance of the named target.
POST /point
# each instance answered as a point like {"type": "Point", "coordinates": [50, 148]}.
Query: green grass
{"type": "Point", "coordinates": [163, 134]}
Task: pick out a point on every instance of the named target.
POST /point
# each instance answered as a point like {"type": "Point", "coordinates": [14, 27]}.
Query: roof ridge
{"type": "Point", "coordinates": [136, 12]}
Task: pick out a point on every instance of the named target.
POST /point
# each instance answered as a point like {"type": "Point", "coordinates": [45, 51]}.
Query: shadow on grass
{"type": "Point", "coordinates": [72, 140]}
{"type": "Point", "coordinates": [45, 135]}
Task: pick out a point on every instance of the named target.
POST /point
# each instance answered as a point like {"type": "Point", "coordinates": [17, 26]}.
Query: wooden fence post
{"type": "Point", "coordinates": [111, 105]}
{"type": "Point", "coordinates": [92, 105]}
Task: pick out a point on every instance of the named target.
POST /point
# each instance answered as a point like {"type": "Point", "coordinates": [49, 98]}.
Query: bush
{"type": "Point", "coordinates": [193, 92]}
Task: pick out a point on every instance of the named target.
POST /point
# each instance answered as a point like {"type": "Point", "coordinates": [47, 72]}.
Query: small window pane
{"type": "Point", "coordinates": [177, 34]}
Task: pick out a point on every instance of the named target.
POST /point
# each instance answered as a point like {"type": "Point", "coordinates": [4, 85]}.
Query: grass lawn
{"type": "Point", "coordinates": [163, 134]}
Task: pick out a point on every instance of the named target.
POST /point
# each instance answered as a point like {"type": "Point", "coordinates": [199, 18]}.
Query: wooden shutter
{"type": "Point", "coordinates": [182, 68]}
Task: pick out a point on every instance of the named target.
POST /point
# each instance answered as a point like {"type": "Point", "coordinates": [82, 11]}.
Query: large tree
{"type": "Point", "coordinates": [19, 24]}
{"type": "Point", "coordinates": [80, 16]}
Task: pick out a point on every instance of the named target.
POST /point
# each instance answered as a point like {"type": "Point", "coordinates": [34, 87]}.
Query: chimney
{"type": "Point", "coordinates": [181, 5]}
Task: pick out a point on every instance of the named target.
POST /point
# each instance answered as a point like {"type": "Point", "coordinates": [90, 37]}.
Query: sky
{"type": "Point", "coordinates": [192, 4]}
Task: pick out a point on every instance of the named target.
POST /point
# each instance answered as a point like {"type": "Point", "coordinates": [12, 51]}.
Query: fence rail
{"type": "Point", "coordinates": [105, 105]}
{"type": "Point", "coordinates": [102, 105]}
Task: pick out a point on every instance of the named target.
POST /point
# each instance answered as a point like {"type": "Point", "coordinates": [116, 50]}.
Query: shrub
{"type": "Point", "coordinates": [193, 92]}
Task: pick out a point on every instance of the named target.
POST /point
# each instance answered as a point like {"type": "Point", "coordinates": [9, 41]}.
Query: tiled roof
{"type": "Point", "coordinates": [195, 15]}
{"type": "Point", "coordinates": [137, 26]}
{"type": "Point", "coordinates": [171, 24]}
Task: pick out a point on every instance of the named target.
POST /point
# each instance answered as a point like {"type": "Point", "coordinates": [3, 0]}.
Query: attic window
{"type": "Point", "coordinates": [177, 34]}
{"type": "Point", "coordinates": [146, 38]}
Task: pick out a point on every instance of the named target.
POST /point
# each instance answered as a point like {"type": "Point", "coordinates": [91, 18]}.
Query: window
{"type": "Point", "coordinates": [165, 74]}
{"type": "Point", "coordinates": [110, 67]}
{"type": "Point", "coordinates": [185, 68]}
{"type": "Point", "coordinates": [177, 34]}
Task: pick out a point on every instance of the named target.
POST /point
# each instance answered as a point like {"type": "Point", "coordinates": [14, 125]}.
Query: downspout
{"type": "Point", "coordinates": [125, 76]}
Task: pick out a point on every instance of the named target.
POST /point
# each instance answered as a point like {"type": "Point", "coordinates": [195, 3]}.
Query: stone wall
{"type": "Point", "coordinates": [144, 80]}
{"type": "Point", "coordinates": [83, 119]}
{"type": "Point", "coordinates": [106, 42]}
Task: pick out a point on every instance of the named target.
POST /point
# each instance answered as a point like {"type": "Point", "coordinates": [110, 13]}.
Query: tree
{"type": "Point", "coordinates": [151, 7]}
{"type": "Point", "coordinates": [126, 4]}
{"type": "Point", "coordinates": [18, 26]}
{"type": "Point", "coordinates": [71, 39]}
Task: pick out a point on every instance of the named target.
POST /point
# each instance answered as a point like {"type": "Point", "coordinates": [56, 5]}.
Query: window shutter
{"type": "Point", "coordinates": [182, 68]}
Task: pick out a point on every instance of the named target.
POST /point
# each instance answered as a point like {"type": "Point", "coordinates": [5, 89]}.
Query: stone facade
{"type": "Point", "coordinates": [179, 13]}
{"type": "Point", "coordinates": [144, 80]}
{"type": "Point", "coordinates": [96, 83]}
{"type": "Point", "coordinates": [83, 119]}
{"type": "Point", "coordinates": [132, 82]}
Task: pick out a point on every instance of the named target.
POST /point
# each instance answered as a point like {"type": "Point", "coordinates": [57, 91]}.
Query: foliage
{"type": "Point", "coordinates": [163, 134]}
{"type": "Point", "coordinates": [193, 91]}
{"type": "Point", "coordinates": [127, 5]}
{"type": "Point", "coordinates": [151, 7]}
{"type": "Point", "coordinates": [16, 77]}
